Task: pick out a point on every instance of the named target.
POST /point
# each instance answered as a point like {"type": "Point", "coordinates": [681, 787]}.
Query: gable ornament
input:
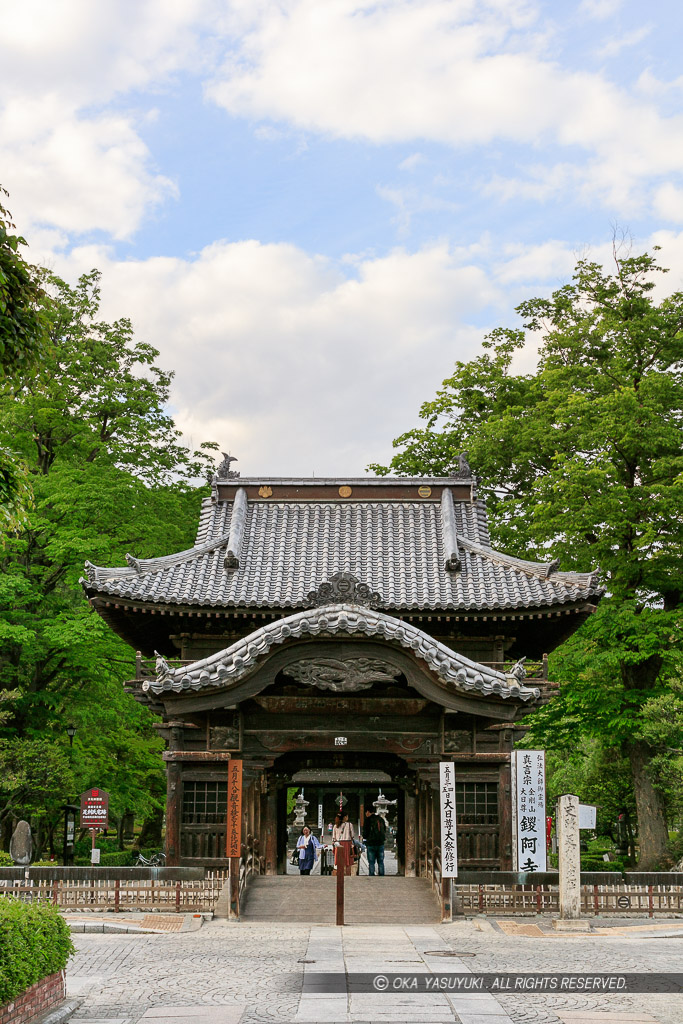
{"type": "Point", "coordinates": [342, 676]}
{"type": "Point", "coordinates": [343, 588]}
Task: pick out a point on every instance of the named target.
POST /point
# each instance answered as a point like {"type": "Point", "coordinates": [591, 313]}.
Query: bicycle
{"type": "Point", "coordinates": [155, 861]}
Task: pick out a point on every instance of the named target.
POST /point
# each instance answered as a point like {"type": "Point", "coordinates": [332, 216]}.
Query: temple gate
{"type": "Point", "coordinates": [329, 630]}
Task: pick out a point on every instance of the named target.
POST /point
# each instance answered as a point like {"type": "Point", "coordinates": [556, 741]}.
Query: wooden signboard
{"type": "Point", "coordinates": [234, 832]}
{"type": "Point", "coordinates": [528, 810]}
{"type": "Point", "coordinates": [94, 809]}
{"type": "Point", "coordinates": [449, 833]}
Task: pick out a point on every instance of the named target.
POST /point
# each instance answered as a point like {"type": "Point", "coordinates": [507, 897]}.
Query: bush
{"type": "Point", "coordinates": [589, 863]}
{"type": "Point", "coordinates": [83, 847]}
{"type": "Point", "coordinates": [123, 859]}
{"type": "Point", "coordinates": [5, 860]}
{"type": "Point", "coordinates": [34, 942]}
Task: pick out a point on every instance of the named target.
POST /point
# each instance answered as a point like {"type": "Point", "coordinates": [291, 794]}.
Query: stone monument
{"type": "Point", "coordinates": [569, 852]}
{"type": "Point", "coordinates": [21, 844]}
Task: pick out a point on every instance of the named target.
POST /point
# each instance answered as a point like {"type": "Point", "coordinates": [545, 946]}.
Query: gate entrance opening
{"type": "Point", "coordinates": [325, 790]}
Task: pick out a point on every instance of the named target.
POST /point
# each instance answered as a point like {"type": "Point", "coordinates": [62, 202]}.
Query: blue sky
{"type": "Point", "coordinates": [314, 208]}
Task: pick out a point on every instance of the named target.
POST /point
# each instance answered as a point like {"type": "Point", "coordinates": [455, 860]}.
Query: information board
{"type": "Point", "coordinates": [528, 810]}
{"type": "Point", "coordinates": [94, 809]}
{"type": "Point", "coordinates": [234, 818]}
{"type": "Point", "coordinates": [449, 832]}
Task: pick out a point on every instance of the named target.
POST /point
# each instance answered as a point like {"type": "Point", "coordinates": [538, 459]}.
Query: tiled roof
{"type": "Point", "coordinates": [228, 667]}
{"type": "Point", "coordinates": [288, 548]}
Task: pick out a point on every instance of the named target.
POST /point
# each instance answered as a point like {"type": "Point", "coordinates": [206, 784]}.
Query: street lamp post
{"type": "Point", "coordinates": [69, 811]}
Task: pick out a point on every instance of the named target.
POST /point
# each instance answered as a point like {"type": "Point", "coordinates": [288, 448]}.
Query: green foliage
{"type": "Point", "coordinates": [122, 859]}
{"type": "Point", "coordinates": [34, 942]}
{"type": "Point", "coordinates": [109, 475]}
{"type": "Point", "coordinates": [598, 864]}
{"type": "Point", "coordinates": [21, 322]}
{"type": "Point", "coordinates": [582, 460]}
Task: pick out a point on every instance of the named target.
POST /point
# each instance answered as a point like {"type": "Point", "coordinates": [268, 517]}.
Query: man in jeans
{"type": "Point", "coordinates": [374, 834]}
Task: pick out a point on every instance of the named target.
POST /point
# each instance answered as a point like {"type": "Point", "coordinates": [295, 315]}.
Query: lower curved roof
{"type": "Point", "coordinates": [228, 667]}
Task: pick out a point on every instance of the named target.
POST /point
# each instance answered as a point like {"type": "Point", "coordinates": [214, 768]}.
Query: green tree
{"type": "Point", "coordinates": [583, 459]}
{"type": "Point", "coordinates": [109, 475]}
{"type": "Point", "coordinates": [22, 335]}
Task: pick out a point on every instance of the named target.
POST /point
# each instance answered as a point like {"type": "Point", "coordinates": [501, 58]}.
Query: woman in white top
{"type": "Point", "coordinates": [307, 845]}
{"type": "Point", "coordinates": [343, 833]}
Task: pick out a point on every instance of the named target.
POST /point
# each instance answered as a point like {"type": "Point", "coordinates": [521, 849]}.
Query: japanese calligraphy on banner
{"type": "Point", "coordinates": [449, 834]}
{"type": "Point", "coordinates": [528, 810]}
{"type": "Point", "coordinates": [234, 834]}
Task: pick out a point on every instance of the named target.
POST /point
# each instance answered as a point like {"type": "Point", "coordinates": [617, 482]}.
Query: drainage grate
{"type": "Point", "coordinates": [446, 952]}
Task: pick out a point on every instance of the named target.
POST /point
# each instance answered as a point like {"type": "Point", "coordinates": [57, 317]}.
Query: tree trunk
{"type": "Point", "coordinates": [150, 833]}
{"type": "Point", "coordinates": [652, 829]}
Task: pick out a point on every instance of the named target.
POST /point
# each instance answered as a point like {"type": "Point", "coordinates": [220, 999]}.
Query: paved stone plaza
{"type": "Point", "coordinates": [252, 973]}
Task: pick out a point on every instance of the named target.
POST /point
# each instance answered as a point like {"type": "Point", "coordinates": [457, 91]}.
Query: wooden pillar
{"type": "Point", "coordinates": [410, 834]}
{"type": "Point", "coordinates": [270, 830]}
{"type": "Point", "coordinates": [173, 798]}
{"type": "Point", "coordinates": [505, 817]}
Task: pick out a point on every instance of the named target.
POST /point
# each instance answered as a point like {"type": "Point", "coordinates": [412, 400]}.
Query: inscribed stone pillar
{"type": "Point", "coordinates": [570, 857]}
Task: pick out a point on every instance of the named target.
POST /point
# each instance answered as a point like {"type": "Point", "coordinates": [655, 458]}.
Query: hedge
{"type": "Point", "coordinates": [34, 942]}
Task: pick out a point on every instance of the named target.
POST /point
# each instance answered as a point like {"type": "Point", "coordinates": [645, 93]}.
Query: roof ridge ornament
{"type": "Point", "coordinates": [163, 669]}
{"type": "Point", "coordinates": [463, 470]}
{"type": "Point", "coordinates": [344, 588]}
{"type": "Point", "coordinates": [224, 472]}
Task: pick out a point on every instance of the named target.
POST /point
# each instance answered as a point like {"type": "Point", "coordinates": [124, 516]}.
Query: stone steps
{"type": "Point", "coordinates": [311, 899]}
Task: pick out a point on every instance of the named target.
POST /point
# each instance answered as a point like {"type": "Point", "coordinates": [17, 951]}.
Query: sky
{"type": "Point", "coordinates": [313, 208]}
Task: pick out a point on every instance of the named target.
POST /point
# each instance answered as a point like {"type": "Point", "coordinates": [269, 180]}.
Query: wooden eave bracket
{"type": "Point", "coordinates": [449, 536]}
{"type": "Point", "coordinates": [237, 521]}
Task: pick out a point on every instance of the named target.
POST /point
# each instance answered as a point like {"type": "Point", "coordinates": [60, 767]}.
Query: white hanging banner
{"type": "Point", "coordinates": [528, 810]}
{"type": "Point", "coordinates": [449, 834]}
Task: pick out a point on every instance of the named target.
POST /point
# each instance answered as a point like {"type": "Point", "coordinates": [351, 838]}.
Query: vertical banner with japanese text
{"type": "Point", "coordinates": [449, 834]}
{"type": "Point", "coordinates": [528, 810]}
{"type": "Point", "coordinates": [234, 833]}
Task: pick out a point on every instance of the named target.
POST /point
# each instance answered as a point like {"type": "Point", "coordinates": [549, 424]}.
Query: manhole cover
{"type": "Point", "coordinates": [446, 952]}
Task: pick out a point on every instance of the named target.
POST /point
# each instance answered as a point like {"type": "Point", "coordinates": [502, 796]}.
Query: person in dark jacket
{"type": "Point", "coordinates": [374, 834]}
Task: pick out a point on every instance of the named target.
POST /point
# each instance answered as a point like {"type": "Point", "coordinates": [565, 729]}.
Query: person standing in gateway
{"type": "Point", "coordinates": [374, 834]}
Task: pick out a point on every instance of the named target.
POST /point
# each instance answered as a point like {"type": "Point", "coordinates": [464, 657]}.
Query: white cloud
{"type": "Point", "coordinates": [298, 367]}
{"type": "Point", "coordinates": [411, 162]}
{"type": "Point", "coordinates": [614, 46]}
{"type": "Point", "coordinates": [669, 203]}
{"type": "Point", "coordinates": [463, 74]}
{"type": "Point", "coordinates": [69, 162]}
{"type": "Point", "coordinates": [76, 173]}
{"type": "Point", "coordinates": [599, 9]}
{"type": "Point", "coordinates": [283, 357]}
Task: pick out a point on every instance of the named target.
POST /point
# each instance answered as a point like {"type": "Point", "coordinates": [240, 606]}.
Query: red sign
{"type": "Point", "coordinates": [234, 835]}
{"type": "Point", "coordinates": [94, 809]}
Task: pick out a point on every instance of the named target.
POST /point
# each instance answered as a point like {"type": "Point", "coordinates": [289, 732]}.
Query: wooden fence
{"type": "Point", "coordinates": [121, 894]}
{"type": "Point", "coordinates": [500, 900]}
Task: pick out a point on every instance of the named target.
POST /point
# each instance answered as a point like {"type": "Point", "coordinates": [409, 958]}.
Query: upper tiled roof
{"type": "Point", "coordinates": [288, 548]}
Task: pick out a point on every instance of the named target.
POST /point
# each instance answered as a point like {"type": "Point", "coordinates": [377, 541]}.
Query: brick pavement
{"type": "Point", "coordinates": [251, 973]}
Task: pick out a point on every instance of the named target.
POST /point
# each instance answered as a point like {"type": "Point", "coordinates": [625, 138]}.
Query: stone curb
{"type": "Point", "coordinates": [60, 1014]}
{"type": "Point", "coordinates": [191, 923]}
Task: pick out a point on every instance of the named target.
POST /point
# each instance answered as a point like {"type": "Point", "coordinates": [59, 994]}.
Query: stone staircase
{"type": "Point", "coordinates": [311, 899]}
